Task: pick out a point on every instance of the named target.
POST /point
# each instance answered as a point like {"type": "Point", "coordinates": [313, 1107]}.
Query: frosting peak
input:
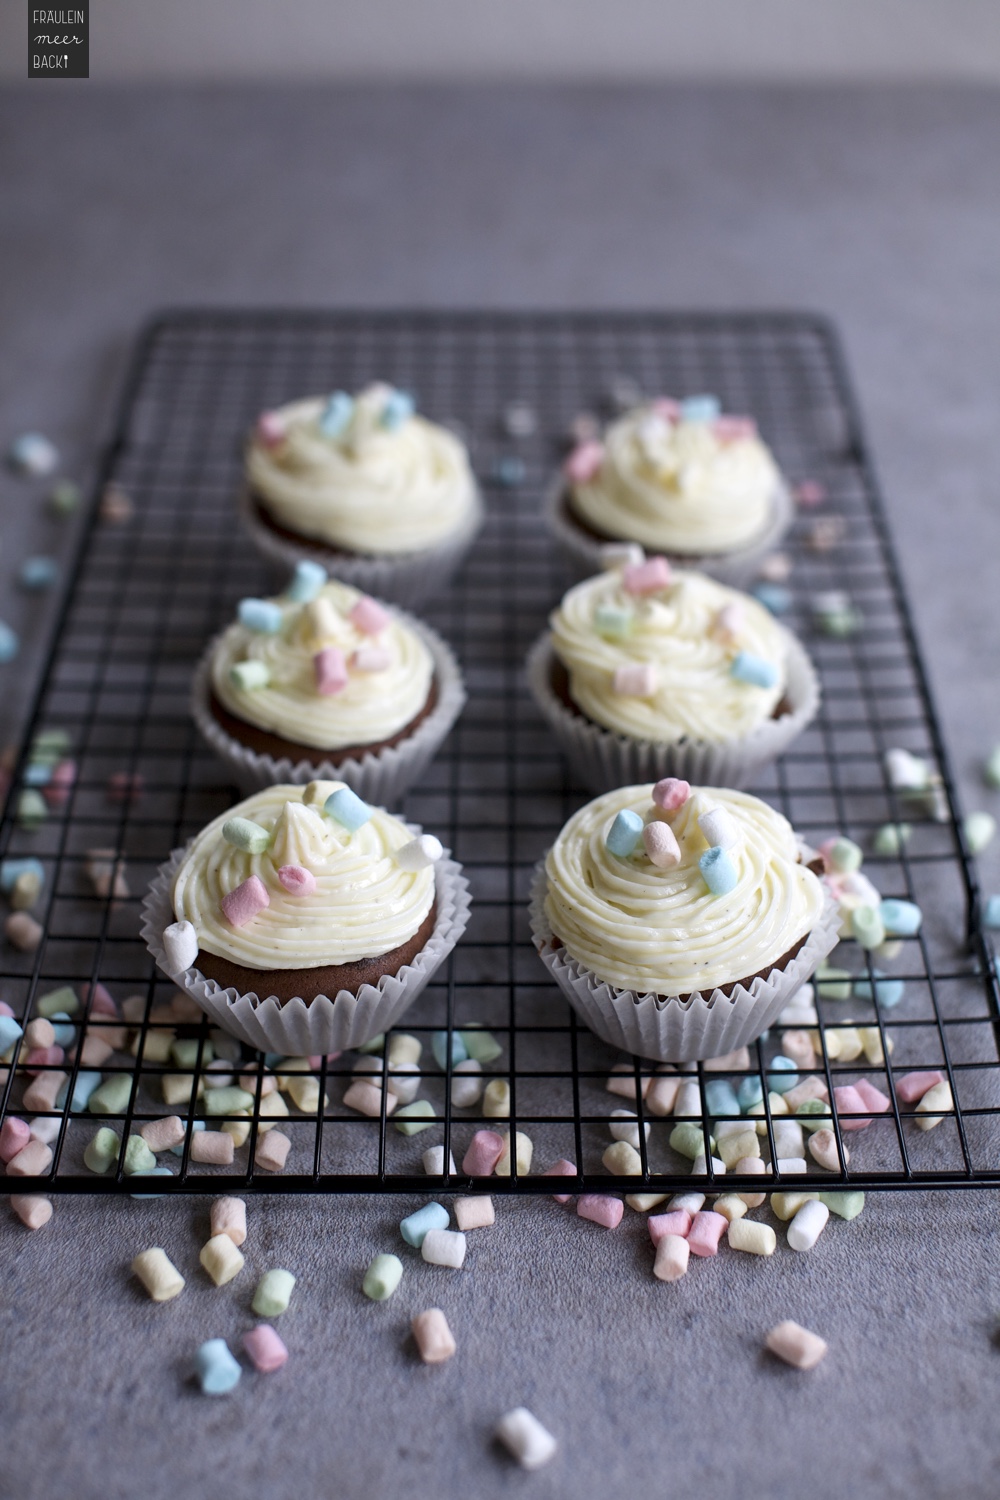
{"type": "Point", "coordinates": [302, 836]}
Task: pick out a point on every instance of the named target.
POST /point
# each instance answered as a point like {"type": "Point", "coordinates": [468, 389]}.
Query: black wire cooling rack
{"type": "Point", "coordinates": [149, 589]}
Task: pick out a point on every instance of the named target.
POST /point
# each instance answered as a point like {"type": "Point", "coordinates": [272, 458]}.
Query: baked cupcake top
{"type": "Point", "coordinates": [363, 473]}
{"type": "Point", "coordinates": [303, 877]}
{"type": "Point", "coordinates": [676, 476]}
{"type": "Point", "coordinates": [697, 888]}
{"type": "Point", "coordinates": [323, 665]}
{"type": "Point", "coordinates": [664, 654]}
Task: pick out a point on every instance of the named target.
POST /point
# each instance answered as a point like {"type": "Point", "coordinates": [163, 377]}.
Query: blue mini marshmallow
{"type": "Point", "coordinates": [260, 616]}
{"type": "Point", "coordinates": [12, 869]}
{"type": "Point", "coordinates": [64, 1029]}
{"type": "Point", "coordinates": [746, 667]}
{"type": "Point", "coordinates": [624, 833]}
{"type": "Point", "coordinates": [720, 1098]}
{"type": "Point", "coordinates": [774, 597]}
{"type": "Point", "coordinates": [307, 580]}
{"type": "Point", "coordinates": [750, 1092]}
{"type": "Point", "coordinates": [218, 1372]}
{"type": "Point", "coordinates": [85, 1085]}
{"type": "Point", "coordinates": [32, 453]}
{"type": "Point", "coordinates": [347, 809]}
{"type": "Point", "coordinates": [439, 1046]}
{"type": "Point", "coordinates": [10, 643]}
{"type": "Point", "coordinates": [701, 409]}
{"type": "Point", "coordinates": [39, 773]}
{"type": "Point", "coordinates": [415, 1226]}
{"type": "Point", "coordinates": [336, 414]}
{"type": "Point", "coordinates": [399, 408]}
{"type": "Point", "coordinates": [718, 871]}
{"type": "Point", "coordinates": [10, 1032]}
{"type": "Point", "coordinates": [888, 991]}
{"type": "Point", "coordinates": [38, 573]}
{"type": "Point", "coordinates": [901, 918]}
{"type": "Point", "coordinates": [509, 471]}
{"type": "Point", "coordinates": [991, 912]}
{"type": "Point", "coordinates": [784, 1077]}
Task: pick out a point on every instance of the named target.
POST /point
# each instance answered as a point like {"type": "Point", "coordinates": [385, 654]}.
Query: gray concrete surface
{"type": "Point", "coordinates": [879, 207]}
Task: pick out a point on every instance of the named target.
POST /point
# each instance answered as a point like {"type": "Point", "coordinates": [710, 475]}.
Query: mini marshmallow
{"type": "Point", "coordinates": [672, 1255]}
{"type": "Point", "coordinates": [212, 1146]}
{"type": "Point", "coordinates": [180, 943]}
{"type": "Point", "coordinates": [474, 1212]}
{"type": "Point", "coordinates": [671, 793]}
{"type": "Point", "coordinates": [624, 834]}
{"type": "Point", "coordinates": [369, 617]}
{"type": "Point", "coordinates": [561, 1168]}
{"type": "Point", "coordinates": [241, 905]}
{"type": "Point", "coordinates": [272, 1150]}
{"type": "Point", "coordinates": [466, 1083]}
{"type": "Point", "coordinates": [525, 1438]}
{"type": "Point", "coordinates": [244, 833]}
{"type": "Point", "coordinates": [160, 1135]}
{"type": "Point", "coordinates": [296, 880]}
{"type": "Point", "coordinates": [444, 1247]}
{"type": "Point", "coordinates": [707, 1229]}
{"type": "Point", "coordinates": [727, 623]}
{"type": "Point", "coordinates": [718, 871]}
{"type": "Point", "coordinates": [661, 845]}
{"type": "Point", "coordinates": [807, 1225]}
{"type": "Point", "coordinates": [433, 1337]}
{"type": "Point", "coordinates": [347, 809]}
{"type": "Point", "coordinates": [746, 667]}
{"type": "Point", "coordinates": [938, 1097]}
{"type": "Point", "coordinates": [718, 828]}
{"type": "Point", "coordinates": [218, 1372]}
{"type": "Point", "coordinates": [484, 1151]}
{"type": "Point", "coordinates": [306, 582]}
{"type": "Point", "coordinates": [221, 1259]}
{"type": "Point", "coordinates": [600, 1209]}
{"type": "Point", "coordinates": [260, 616]}
{"type": "Point", "coordinates": [419, 853]}
{"type": "Point", "coordinates": [675, 1221]}
{"type": "Point", "coordinates": [752, 1237]}
{"type": "Point", "coordinates": [330, 671]}
{"type": "Point", "coordinates": [269, 430]}
{"type": "Point", "coordinates": [647, 577]}
{"type": "Point", "coordinates": [638, 680]}
{"type": "Point", "coordinates": [796, 1345]}
{"type": "Point", "coordinates": [496, 1099]}
{"type": "Point", "coordinates": [584, 463]}
{"type": "Point", "coordinates": [913, 1086]}
{"type": "Point", "coordinates": [265, 1349]}
{"type": "Point", "coordinates": [22, 931]}
{"type": "Point", "coordinates": [158, 1275]}
{"type": "Point", "coordinates": [433, 1162]}
{"type": "Point", "coordinates": [274, 1292]}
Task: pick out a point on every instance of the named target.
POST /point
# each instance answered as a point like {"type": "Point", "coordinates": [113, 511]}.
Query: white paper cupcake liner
{"type": "Point", "coordinates": [603, 760]}
{"type": "Point", "coordinates": [380, 777]}
{"type": "Point", "coordinates": [668, 1028]}
{"type": "Point", "coordinates": [301, 1028]}
{"type": "Point", "coordinates": [737, 567]}
{"type": "Point", "coordinates": [406, 579]}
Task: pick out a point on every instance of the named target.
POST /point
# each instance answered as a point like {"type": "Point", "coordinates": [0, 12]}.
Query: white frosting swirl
{"type": "Point", "coordinates": [660, 931]}
{"type": "Point", "coordinates": [696, 695]}
{"type": "Point", "coordinates": [677, 487]}
{"type": "Point", "coordinates": [373, 706]}
{"type": "Point", "coordinates": [364, 904]}
{"type": "Point", "coordinates": [368, 490]}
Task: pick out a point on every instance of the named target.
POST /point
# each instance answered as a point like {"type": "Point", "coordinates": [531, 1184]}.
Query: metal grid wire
{"type": "Point", "coordinates": [147, 594]}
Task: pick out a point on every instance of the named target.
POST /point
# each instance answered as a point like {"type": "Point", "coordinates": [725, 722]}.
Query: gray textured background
{"type": "Point", "coordinates": [877, 206]}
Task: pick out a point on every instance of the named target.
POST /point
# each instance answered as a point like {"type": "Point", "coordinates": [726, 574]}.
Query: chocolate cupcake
{"type": "Point", "coordinates": [677, 478]}
{"type": "Point", "coordinates": [650, 671]}
{"type": "Point", "coordinates": [326, 682]}
{"type": "Point", "coordinates": [679, 920]}
{"type": "Point", "coordinates": [305, 921]}
{"type": "Point", "coordinates": [377, 494]}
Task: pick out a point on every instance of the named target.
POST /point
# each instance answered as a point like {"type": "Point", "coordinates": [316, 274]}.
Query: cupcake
{"type": "Point", "coordinates": [379, 495]}
{"type": "Point", "coordinates": [679, 920]}
{"type": "Point", "coordinates": [305, 921]}
{"type": "Point", "coordinates": [677, 478]}
{"type": "Point", "coordinates": [326, 682]}
{"type": "Point", "coordinates": [650, 671]}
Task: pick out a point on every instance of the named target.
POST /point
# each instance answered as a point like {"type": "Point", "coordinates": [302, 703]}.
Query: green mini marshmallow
{"type": "Point", "coordinates": [227, 1101]}
{"type": "Point", "coordinates": [102, 1151]}
{"type": "Point", "coordinates": [112, 1096]}
{"type": "Point", "coordinates": [978, 827]}
{"type": "Point", "coordinates": [833, 984]}
{"type": "Point", "coordinates": [57, 1000]}
{"type": "Point", "coordinates": [32, 809]}
{"type": "Point", "coordinates": [867, 926]}
{"type": "Point", "coordinates": [481, 1045]}
{"type": "Point", "coordinates": [184, 1051]}
{"type": "Point", "coordinates": [814, 1114]}
{"type": "Point", "coordinates": [845, 857]}
{"type": "Point", "coordinates": [688, 1140]}
{"type": "Point", "coordinates": [891, 837]}
{"type": "Point", "coordinates": [243, 833]}
{"type": "Point", "coordinates": [138, 1157]}
{"type": "Point", "coordinates": [382, 1277]}
{"type": "Point", "coordinates": [845, 1205]}
{"type": "Point", "coordinates": [374, 1047]}
{"type": "Point", "coordinates": [50, 746]}
{"type": "Point", "coordinates": [273, 1294]}
{"type": "Point", "coordinates": [411, 1119]}
{"type": "Point", "coordinates": [249, 676]}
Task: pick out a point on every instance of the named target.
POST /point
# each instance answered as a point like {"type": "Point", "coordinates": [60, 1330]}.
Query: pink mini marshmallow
{"type": "Point", "coordinates": [707, 1229]}
{"type": "Point", "coordinates": [14, 1136]}
{"type": "Point", "coordinates": [874, 1098]}
{"type": "Point", "coordinates": [584, 463]}
{"type": "Point", "coordinates": [734, 429]}
{"type": "Point", "coordinates": [664, 407]}
{"type": "Point", "coordinates": [241, 905]}
{"type": "Point", "coordinates": [485, 1150]}
{"type": "Point", "coordinates": [634, 681]}
{"type": "Point", "coordinates": [849, 1101]}
{"type": "Point", "coordinates": [913, 1086]}
{"type": "Point", "coordinates": [600, 1209]}
{"type": "Point", "coordinates": [101, 1001]}
{"type": "Point", "coordinates": [40, 1058]}
{"type": "Point", "coordinates": [728, 622]}
{"type": "Point", "coordinates": [561, 1168]}
{"type": "Point", "coordinates": [270, 429]}
{"type": "Point", "coordinates": [677, 1221]}
{"type": "Point", "coordinates": [5, 1009]}
{"type": "Point", "coordinates": [60, 784]}
{"type": "Point", "coordinates": [671, 793]}
{"type": "Point", "coordinates": [646, 577]}
{"type": "Point", "coordinates": [825, 849]}
{"type": "Point", "coordinates": [368, 616]}
{"type": "Point", "coordinates": [810, 492]}
{"type": "Point", "coordinates": [331, 671]}
{"type": "Point", "coordinates": [371, 659]}
{"type": "Point", "coordinates": [661, 845]}
{"type": "Point", "coordinates": [265, 1349]}
{"type": "Point", "coordinates": [124, 786]}
{"type": "Point", "coordinates": [297, 881]}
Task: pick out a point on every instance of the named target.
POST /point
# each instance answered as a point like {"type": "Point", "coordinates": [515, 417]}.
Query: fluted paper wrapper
{"type": "Point", "coordinates": [603, 760]}
{"type": "Point", "coordinates": [408, 578]}
{"type": "Point", "coordinates": [670, 1029]}
{"type": "Point", "coordinates": [737, 567]}
{"type": "Point", "coordinates": [381, 777]}
{"type": "Point", "coordinates": [301, 1028]}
